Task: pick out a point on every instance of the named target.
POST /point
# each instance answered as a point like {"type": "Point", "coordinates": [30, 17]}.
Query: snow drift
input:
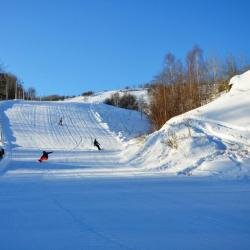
{"type": "Point", "coordinates": [211, 140]}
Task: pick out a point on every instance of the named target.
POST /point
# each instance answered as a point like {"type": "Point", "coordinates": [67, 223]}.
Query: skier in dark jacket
{"type": "Point", "coordinates": [45, 156]}
{"type": "Point", "coordinates": [60, 121]}
{"type": "Point", "coordinates": [1, 153]}
{"type": "Point", "coordinates": [97, 144]}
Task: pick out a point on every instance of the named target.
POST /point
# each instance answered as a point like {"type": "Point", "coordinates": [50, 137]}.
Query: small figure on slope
{"type": "Point", "coordinates": [45, 156]}
{"type": "Point", "coordinates": [1, 153]}
{"type": "Point", "coordinates": [60, 122]}
{"type": "Point", "coordinates": [97, 144]}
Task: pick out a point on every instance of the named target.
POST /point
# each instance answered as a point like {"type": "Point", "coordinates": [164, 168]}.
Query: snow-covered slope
{"type": "Point", "coordinates": [54, 205]}
{"type": "Point", "coordinates": [211, 140]}
{"type": "Point", "coordinates": [100, 97]}
{"type": "Point", "coordinates": [30, 127]}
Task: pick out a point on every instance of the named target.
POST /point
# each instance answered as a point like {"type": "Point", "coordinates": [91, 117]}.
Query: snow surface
{"type": "Point", "coordinates": [100, 97]}
{"type": "Point", "coordinates": [30, 127]}
{"type": "Point", "coordinates": [66, 203]}
{"type": "Point", "coordinates": [133, 213]}
{"type": "Point", "coordinates": [212, 140]}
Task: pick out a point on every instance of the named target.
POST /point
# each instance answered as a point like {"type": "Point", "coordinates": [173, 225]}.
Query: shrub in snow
{"type": "Point", "coordinates": [126, 101]}
{"type": "Point", "coordinates": [172, 140]}
{"type": "Point", "coordinates": [87, 93]}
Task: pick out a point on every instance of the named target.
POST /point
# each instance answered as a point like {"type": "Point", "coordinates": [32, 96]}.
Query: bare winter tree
{"type": "Point", "coordinates": [196, 71]}
{"type": "Point", "coordinates": [231, 67]}
{"type": "Point", "coordinates": [113, 100]}
{"type": "Point", "coordinates": [180, 88]}
{"type": "Point", "coordinates": [8, 82]}
{"type": "Point", "coordinates": [31, 94]}
{"type": "Point", "coordinates": [213, 69]}
{"type": "Point", "coordinates": [142, 106]}
{"type": "Point", "coordinates": [191, 64]}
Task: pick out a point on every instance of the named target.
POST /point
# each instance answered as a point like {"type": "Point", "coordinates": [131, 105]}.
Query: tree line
{"type": "Point", "coordinates": [184, 85]}
{"type": "Point", "coordinates": [11, 87]}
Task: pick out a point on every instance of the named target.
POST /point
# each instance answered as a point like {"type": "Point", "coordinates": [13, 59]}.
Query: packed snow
{"type": "Point", "coordinates": [30, 127]}
{"type": "Point", "coordinates": [128, 213]}
{"type": "Point", "coordinates": [211, 140]}
{"type": "Point", "coordinates": [185, 186]}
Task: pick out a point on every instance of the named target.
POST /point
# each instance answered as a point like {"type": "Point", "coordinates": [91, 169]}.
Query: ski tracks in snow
{"type": "Point", "coordinates": [84, 225]}
{"type": "Point", "coordinates": [35, 127]}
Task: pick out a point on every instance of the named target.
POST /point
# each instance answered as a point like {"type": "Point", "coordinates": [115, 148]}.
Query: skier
{"type": "Point", "coordinates": [45, 156]}
{"type": "Point", "coordinates": [97, 144]}
{"type": "Point", "coordinates": [60, 122]}
{"type": "Point", "coordinates": [1, 153]}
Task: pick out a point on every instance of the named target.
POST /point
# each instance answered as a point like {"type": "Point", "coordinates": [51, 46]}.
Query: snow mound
{"type": "Point", "coordinates": [241, 82]}
{"type": "Point", "coordinates": [211, 140]}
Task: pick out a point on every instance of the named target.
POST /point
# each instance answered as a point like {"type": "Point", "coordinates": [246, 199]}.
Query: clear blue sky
{"type": "Point", "coordinates": [67, 47]}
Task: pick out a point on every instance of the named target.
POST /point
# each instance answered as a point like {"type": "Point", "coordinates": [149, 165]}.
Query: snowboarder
{"type": "Point", "coordinates": [1, 153]}
{"type": "Point", "coordinates": [97, 144]}
{"type": "Point", "coordinates": [45, 156]}
{"type": "Point", "coordinates": [60, 122]}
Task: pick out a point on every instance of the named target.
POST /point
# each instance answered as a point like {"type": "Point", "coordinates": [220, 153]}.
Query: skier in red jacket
{"type": "Point", "coordinates": [45, 156]}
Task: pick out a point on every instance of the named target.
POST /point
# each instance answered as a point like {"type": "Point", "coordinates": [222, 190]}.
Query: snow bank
{"type": "Point", "coordinates": [211, 140]}
{"type": "Point", "coordinates": [241, 82]}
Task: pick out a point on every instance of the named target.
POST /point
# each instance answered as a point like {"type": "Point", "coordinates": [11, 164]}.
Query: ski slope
{"type": "Point", "coordinates": [150, 197]}
{"type": "Point", "coordinates": [30, 127]}
{"type": "Point", "coordinates": [211, 140]}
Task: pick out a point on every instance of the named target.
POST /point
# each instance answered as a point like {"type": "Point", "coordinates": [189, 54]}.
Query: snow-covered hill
{"type": "Point", "coordinates": [211, 140]}
{"type": "Point", "coordinates": [100, 97]}
{"type": "Point", "coordinates": [55, 205]}
{"type": "Point", "coordinates": [30, 127]}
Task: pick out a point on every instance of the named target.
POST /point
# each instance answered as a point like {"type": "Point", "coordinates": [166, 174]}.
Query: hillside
{"type": "Point", "coordinates": [100, 97]}
{"type": "Point", "coordinates": [30, 127]}
{"type": "Point", "coordinates": [211, 140]}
